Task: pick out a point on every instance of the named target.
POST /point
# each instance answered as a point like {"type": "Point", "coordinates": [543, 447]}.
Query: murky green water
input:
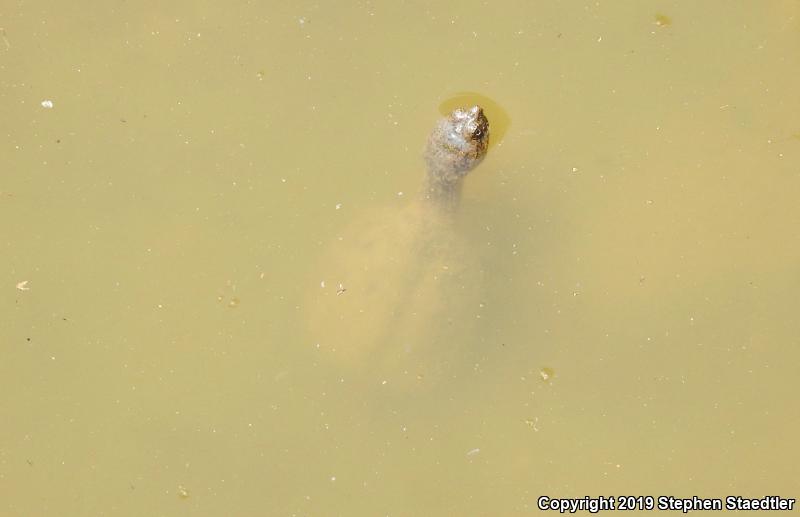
{"type": "Point", "coordinates": [633, 238]}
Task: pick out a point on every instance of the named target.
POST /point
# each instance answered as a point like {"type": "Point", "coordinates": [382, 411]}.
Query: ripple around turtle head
{"type": "Point", "coordinates": [499, 121]}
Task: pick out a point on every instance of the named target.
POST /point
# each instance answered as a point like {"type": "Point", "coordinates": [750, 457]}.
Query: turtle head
{"type": "Point", "coordinates": [475, 127]}
{"type": "Point", "coordinates": [469, 133]}
{"type": "Point", "coordinates": [457, 144]}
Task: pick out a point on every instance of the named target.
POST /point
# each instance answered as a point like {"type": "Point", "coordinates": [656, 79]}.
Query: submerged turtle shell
{"type": "Point", "coordinates": [399, 288]}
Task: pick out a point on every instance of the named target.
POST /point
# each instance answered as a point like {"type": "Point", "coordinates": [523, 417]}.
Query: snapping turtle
{"type": "Point", "coordinates": [399, 284]}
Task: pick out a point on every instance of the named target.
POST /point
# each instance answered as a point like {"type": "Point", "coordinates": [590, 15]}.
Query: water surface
{"type": "Point", "coordinates": [637, 230]}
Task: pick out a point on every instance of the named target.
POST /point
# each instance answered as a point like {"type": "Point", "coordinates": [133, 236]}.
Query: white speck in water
{"type": "Point", "coordinates": [47, 103]}
{"type": "Point", "coordinates": [473, 452]}
{"type": "Point", "coordinates": [338, 206]}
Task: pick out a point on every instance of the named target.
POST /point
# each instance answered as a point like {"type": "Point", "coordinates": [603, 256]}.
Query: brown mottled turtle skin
{"type": "Point", "coordinates": [398, 285]}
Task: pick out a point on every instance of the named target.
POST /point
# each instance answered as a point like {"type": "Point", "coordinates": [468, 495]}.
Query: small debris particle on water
{"type": "Point", "coordinates": [662, 20]}
{"type": "Point", "coordinates": [473, 452]}
{"type": "Point", "coordinates": [182, 492]}
{"type": "Point", "coordinates": [547, 374]}
{"type": "Point", "coordinates": [47, 103]}
{"type": "Point", "coordinates": [532, 423]}
{"type": "Point", "coordinates": [23, 286]}
{"type": "Point", "coordinates": [340, 290]}
{"type": "Point", "coordinates": [338, 206]}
